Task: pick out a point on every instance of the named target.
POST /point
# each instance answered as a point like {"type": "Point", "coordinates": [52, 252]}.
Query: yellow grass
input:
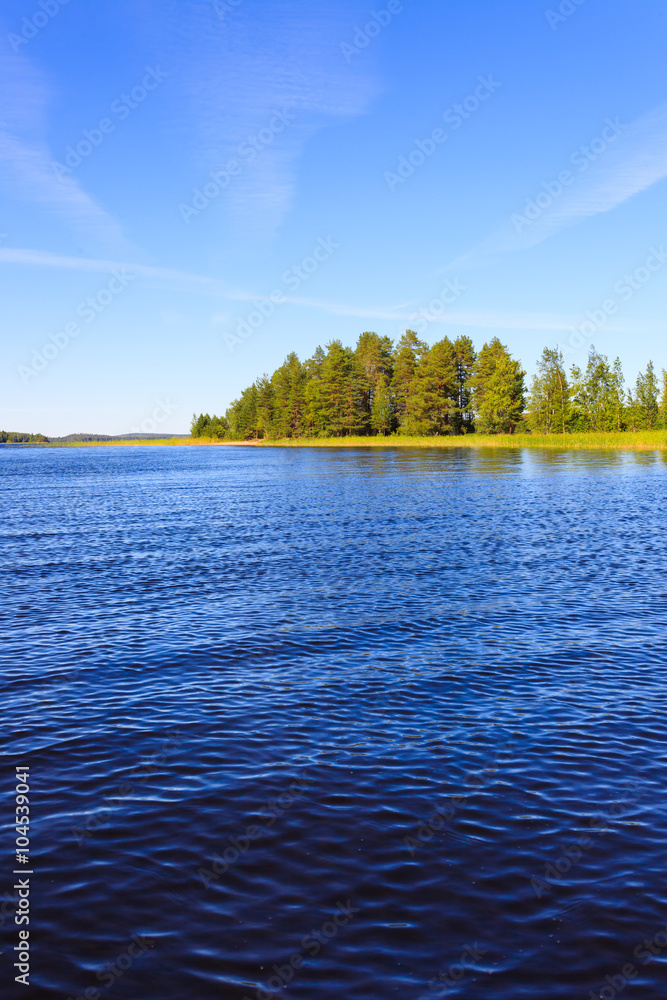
{"type": "Point", "coordinates": [639, 441]}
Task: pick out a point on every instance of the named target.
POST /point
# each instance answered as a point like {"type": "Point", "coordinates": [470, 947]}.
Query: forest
{"type": "Point", "coordinates": [450, 388]}
{"type": "Point", "coordinates": [17, 437]}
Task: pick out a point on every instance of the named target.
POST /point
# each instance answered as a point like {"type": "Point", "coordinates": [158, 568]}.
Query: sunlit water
{"type": "Point", "coordinates": [333, 648]}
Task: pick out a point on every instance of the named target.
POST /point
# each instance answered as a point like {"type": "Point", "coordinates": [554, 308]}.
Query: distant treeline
{"type": "Point", "coordinates": [16, 437]}
{"type": "Point", "coordinates": [450, 388]}
{"type": "Point", "coordinates": [13, 437]}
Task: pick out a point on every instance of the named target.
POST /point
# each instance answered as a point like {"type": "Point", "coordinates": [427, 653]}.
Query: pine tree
{"type": "Point", "coordinates": [242, 415]}
{"type": "Point", "coordinates": [646, 396]}
{"type": "Point", "coordinates": [315, 417]}
{"type": "Point", "coordinates": [375, 356]}
{"type": "Point", "coordinates": [499, 392]}
{"type": "Point", "coordinates": [288, 383]}
{"type": "Point", "coordinates": [432, 404]}
{"type": "Point", "coordinates": [550, 394]}
{"type": "Point", "coordinates": [594, 395]}
{"type": "Point", "coordinates": [342, 402]}
{"type": "Point", "coordinates": [264, 406]}
{"type": "Point", "coordinates": [407, 356]}
{"type": "Point", "coordinates": [382, 413]}
{"type": "Point", "coordinates": [632, 411]}
{"type": "Point", "coordinates": [466, 359]}
{"type": "Point", "coordinates": [617, 397]}
{"type": "Point", "coordinates": [663, 401]}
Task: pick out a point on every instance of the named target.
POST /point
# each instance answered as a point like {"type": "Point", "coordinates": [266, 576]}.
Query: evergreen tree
{"type": "Point", "coordinates": [646, 397]}
{"type": "Point", "coordinates": [242, 415]}
{"type": "Point", "coordinates": [550, 394]}
{"type": "Point", "coordinates": [342, 392]}
{"type": "Point", "coordinates": [632, 411]}
{"type": "Point", "coordinates": [265, 406]}
{"type": "Point", "coordinates": [315, 417]}
{"type": "Point", "coordinates": [445, 389]}
{"type": "Point", "coordinates": [432, 404]}
{"type": "Point", "coordinates": [663, 401]}
{"type": "Point", "coordinates": [466, 359]}
{"type": "Point", "coordinates": [407, 356]}
{"type": "Point", "coordinates": [594, 395]}
{"type": "Point", "coordinates": [617, 397]}
{"type": "Point", "coordinates": [288, 382]}
{"type": "Point", "coordinates": [499, 392]}
{"type": "Point", "coordinates": [374, 354]}
{"type": "Point", "coordinates": [382, 413]}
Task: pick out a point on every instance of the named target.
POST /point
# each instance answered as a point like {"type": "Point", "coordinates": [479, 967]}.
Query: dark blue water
{"type": "Point", "coordinates": [246, 681]}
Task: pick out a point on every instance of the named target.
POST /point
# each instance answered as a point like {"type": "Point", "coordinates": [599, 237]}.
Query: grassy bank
{"type": "Point", "coordinates": [639, 441]}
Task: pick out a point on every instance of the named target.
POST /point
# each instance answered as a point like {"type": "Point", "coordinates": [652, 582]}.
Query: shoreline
{"type": "Point", "coordinates": [619, 441]}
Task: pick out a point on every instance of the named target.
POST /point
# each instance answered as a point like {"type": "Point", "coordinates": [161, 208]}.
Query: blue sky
{"type": "Point", "coordinates": [191, 190]}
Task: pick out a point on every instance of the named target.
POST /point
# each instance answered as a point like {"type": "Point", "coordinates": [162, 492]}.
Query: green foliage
{"type": "Point", "coordinates": [466, 360]}
{"type": "Point", "coordinates": [343, 392]}
{"type": "Point", "coordinates": [447, 390]}
{"type": "Point", "coordinates": [550, 411]}
{"type": "Point", "coordinates": [662, 419]}
{"type": "Point", "coordinates": [204, 426]}
{"type": "Point", "coordinates": [432, 402]}
{"type": "Point", "coordinates": [646, 399]}
{"type": "Point", "coordinates": [16, 437]}
{"type": "Point", "coordinates": [499, 393]}
{"type": "Point", "coordinates": [597, 395]}
{"type": "Point", "coordinates": [382, 412]}
{"type": "Point", "coordinates": [407, 357]}
{"type": "Point", "coordinates": [375, 357]}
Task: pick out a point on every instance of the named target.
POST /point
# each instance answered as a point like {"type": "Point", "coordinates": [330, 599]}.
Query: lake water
{"type": "Point", "coordinates": [242, 678]}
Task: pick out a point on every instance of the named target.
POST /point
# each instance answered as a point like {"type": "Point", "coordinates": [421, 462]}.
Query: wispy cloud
{"type": "Point", "coordinates": [26, 160]}
{"type": "Point", "coordinates": [235, 74]}
{"type": "Point", "coordinates": [403, 314]}
{"type": "Point", "coordinates": [636, 161]}
{"type": "Point", "coordinates": [492, 319]}
{"type": "Point", "coordinates": [165, 276]}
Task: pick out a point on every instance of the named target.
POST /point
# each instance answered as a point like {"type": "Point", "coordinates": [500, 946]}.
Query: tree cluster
{"type": "Point", "coordinates": [379, 388]}
{"type": "Point", "coordinates": [411, 389]}
{"type": "Point", "coordinates": [594, 398]}
{"type": "Point", "coordinates": [16, 437]}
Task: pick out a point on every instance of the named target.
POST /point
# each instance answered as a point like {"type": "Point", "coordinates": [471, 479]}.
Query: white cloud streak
{"type": "Point", "coordinates": [236, 74]}
{"type": "Point", "coordinates": [25, 158]}
{"type": "Point", "coordinates": [636, 162]}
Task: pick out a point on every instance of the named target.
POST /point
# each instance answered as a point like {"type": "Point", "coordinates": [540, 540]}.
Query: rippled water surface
{"type": "Point", "coordinates": [246, 681]}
